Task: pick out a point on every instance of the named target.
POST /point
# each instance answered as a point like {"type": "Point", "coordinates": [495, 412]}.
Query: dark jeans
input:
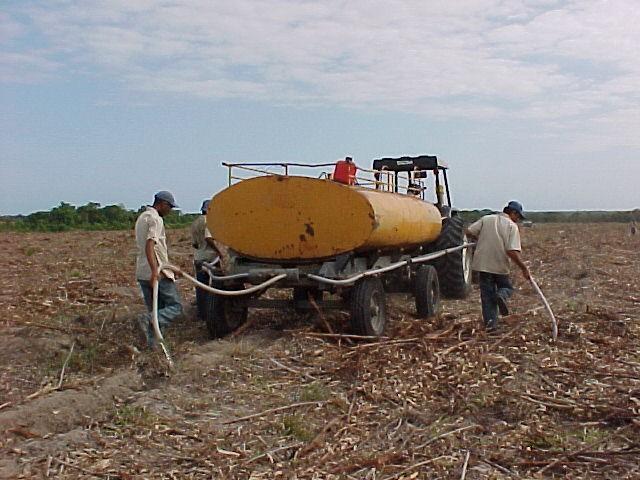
{"type": "Point", "coordinates": [492, 285]}
{"type": "Point", "coordinates": [201, 295]}
{"type": "Point", "coordinates": [169, 306]}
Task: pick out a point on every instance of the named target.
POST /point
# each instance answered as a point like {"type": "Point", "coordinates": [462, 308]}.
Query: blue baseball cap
{"type": "Point", "coordinates": [516, 207]}
{"type": "Point", "coordinates": [167, 197]}
{"type": "Point", "coordinates": [205, 206]}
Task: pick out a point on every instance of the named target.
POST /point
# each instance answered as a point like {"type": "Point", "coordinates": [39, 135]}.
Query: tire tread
{"type": "Point", "coordinates": [360, 298]}
{"type": "Point", "coordinates": [426, 305]}
{"type": "Point", "coordinates": [450, 268]}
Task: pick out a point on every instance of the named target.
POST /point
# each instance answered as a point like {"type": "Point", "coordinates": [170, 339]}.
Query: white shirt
{"type": "Point", "coordinates": [496, 234]}
{"type": "Point", "coordinates": [150, 226]}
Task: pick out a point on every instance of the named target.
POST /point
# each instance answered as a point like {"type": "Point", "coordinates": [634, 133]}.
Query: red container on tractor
{"type": "Point", "coordinates": [345, 171]}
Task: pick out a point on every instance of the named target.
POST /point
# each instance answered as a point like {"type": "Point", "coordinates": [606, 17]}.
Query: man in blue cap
{"type": "Point", "coordinates": [498, 240]}
{"type": "Point", "coordinates": [151, 241]}
{"type": "Point", "coordinates": [205, 251]}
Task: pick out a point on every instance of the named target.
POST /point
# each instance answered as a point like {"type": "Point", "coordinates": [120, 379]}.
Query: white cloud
{"type": "Point", "coordinates": [25, 67]}
{"type": "Point", "coordinates": [542, 59]}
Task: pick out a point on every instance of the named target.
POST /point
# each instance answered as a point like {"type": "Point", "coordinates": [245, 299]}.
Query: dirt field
{"type": "Point", "coordinates": [436, 399]}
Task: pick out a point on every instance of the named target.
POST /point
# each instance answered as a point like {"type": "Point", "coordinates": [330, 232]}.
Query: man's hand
{"type": "Point", "coordinates": [526, 273]}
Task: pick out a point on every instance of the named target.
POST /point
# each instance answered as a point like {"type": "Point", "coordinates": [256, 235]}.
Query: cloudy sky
{"type": "Point", "coordinates": [111, 100]}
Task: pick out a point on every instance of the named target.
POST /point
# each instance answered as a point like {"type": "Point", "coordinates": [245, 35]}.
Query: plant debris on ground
{"type": "Point", "coordinates": [285, 398]}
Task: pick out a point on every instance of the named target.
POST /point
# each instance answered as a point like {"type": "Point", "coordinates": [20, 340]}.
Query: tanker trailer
{"type": "Point", "coordinates": [339, 240]}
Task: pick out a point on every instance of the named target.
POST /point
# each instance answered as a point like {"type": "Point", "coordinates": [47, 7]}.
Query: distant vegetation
{"type": "Point", "coordinates": [91, 216]}
{"type": "Point", "coordinates": [565, 217]}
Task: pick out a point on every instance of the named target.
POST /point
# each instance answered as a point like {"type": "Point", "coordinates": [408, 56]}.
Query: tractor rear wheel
{"type": "Point", "coordinates": [426, 291]}
{"type": "Point", "coordinates": [454, 269]}
{"type": "Point", "coordinates": [224, 315]}
{"type": "Point", "coordinates": [368, 307]}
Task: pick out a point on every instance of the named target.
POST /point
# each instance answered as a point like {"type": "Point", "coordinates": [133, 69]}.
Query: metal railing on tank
{"type": "Point", "coordinates": [242, 171]}
{"type": "Point", "coordinates": [408, 183]}
{"type": "Point", "coordinates": [378, 179]}
{"type": "Point", "coordinates": [384, 180]}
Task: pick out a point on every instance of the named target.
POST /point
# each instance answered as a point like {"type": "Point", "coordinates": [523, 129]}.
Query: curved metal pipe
{"type": "Point", "coordinates": [236, 276]}
{"type": "Point", "coordinates": [228, 293]}
{"type": "Point", "coordinates": [393, 266]}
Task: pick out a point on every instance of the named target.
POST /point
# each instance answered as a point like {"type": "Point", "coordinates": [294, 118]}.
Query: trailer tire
{"type": "Point", "coordinates": [368, 307]}
{"type": "Point", "coordinates": [454, 269]}
{"type": "Point", "coordinates": [426, 291]}
{"type": "Point", "coordinates": [223, 315]}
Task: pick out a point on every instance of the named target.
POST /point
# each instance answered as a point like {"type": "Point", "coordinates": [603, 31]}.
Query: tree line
{"type": "Point", "coordinates": [579, 216]}
{"type": "Point", "coordinates": [93, 216]}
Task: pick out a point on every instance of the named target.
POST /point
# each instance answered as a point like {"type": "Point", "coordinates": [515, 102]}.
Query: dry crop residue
{"type": "Point", "coordinates": [281, 400]}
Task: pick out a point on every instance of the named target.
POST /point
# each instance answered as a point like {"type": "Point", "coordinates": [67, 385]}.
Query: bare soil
{"type": "Point", "coordinates": [433, 399]}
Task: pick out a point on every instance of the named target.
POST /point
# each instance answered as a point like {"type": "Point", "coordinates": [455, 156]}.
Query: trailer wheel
{"type": "Point", "coordinates": [454, 269]}
{"type": "Point", "coordinates": [368, 307]}
{"type": "Point", "coordinates": [426, 291]}
{"type": "Point", "coordinates": [223, 315]}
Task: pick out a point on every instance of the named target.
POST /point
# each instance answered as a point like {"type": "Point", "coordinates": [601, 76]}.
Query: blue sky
{"type": "Point", "coordinates": [112, 100]}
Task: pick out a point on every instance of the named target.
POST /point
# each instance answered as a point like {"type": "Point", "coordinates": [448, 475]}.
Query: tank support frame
{"type": "Point", "coordinates": [358, 282]}
{"type": "Point", "coordinates": [335, 273]}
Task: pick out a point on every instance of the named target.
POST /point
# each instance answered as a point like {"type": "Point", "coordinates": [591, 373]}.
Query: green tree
{"type": "Point", "coordinates": [89, 213]}
{"type": "Point", "coordinates": [116, 214]}
{"type": "Point", "coordinates": [64, 215]}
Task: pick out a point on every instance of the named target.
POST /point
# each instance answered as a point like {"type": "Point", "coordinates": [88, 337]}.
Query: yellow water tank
{"type": "Point", "coordinates": [289, 218]}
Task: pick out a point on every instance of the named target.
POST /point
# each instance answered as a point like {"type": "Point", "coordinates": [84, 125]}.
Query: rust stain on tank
{"type": "Point", "coordinates": [310, 231]}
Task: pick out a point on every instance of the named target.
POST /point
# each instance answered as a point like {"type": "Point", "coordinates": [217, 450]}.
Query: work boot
{"type": "Point", "coordinates": [491, 326]}
{"type": "Point", "coordinates": [503, 308]}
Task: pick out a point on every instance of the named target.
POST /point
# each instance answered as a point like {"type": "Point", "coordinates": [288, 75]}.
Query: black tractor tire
{"type": "Point", "coordinates": [454, 269]}
{"type": "Point", "coordinates": [223, 315]}
{"type": "Point", "coordinates": [368, 307]}
{"type": "Point", "coordinates": [426, 291]}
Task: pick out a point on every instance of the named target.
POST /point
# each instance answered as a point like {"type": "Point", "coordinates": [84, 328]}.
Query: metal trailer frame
{"type": "Point", "coordinates": [329, 285]}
